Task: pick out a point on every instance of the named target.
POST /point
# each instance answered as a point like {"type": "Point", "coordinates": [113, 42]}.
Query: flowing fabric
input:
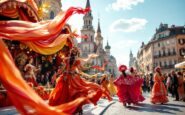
{"type": "Point", "coordinates": [70, 86]}
{"type": "Point", "coordinates": [111, 87]}
{"type": "Point", "coordinates": [99, 67]}
{"type": "Point", "coordinates": [45, 33]}
{"type": "Point", "coordinates": [159, 92]}
{"type": "Point", "coordinates": [137, 89]}
{"type": "Point", "coordinates": [22, 95]}
{"type": "Point", "coordinates": [127, 89]}
{"type": "Point", "coordinates": [43, 37]}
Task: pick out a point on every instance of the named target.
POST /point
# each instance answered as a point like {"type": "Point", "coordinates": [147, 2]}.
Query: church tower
{"type": "Point", "coordinates": [131, 61]}
{"type": "Point", "coordinates": [107, 49]}
{"type": "Point", "coordinates": [99, 38]}
{"type": "Point", "coordinates": [87, 45]}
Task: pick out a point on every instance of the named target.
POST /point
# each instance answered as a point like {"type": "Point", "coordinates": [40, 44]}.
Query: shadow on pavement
{"type": "Point", "coordinates": [175, 105]}
{"type": "Point", "coordinates": [156, 108]}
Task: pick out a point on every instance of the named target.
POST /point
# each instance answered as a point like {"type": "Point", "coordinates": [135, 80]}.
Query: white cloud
{"type": "Point", "coordinates": [128, 25]}
{"type": "Point", "coordinates": [123, 4]}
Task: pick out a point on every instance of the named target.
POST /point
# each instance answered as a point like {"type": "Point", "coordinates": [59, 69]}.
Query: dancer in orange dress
{"type": "Point", "coordinates": [104, 83]}
{"type": "Point", "coordinates": [159, 92]}
{"type": "Point", "coordinates": [111, 86]}
{"type": "Point", "coordinates": [70, 86]}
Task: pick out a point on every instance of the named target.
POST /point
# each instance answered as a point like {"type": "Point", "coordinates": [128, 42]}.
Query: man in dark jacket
{"type": "Point", "coordinates": [175, 86]}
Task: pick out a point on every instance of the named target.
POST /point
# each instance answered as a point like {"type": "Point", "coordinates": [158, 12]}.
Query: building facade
{"type": "Point", "coordinates": [50, 8]}
{"type": "Point", "coordinates": [94, 44]}
{"type": "Point", "coordinates": [165, 49]}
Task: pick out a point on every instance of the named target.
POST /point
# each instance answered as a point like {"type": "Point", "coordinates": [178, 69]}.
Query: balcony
{"type": "Point", "coordinates": [165, 55]}
{"type": "Point", "coordinates": [167, 67]}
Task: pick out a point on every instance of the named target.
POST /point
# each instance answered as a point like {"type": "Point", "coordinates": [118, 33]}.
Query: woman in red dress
{"type": "Point", "coordinates": [70, 86]}
{"type": "Point", "coordinates": [126, 87]}
{"type": "Point", "coordinates": [137, 87]}
{"type": "Point", "coordinates": [159, 92]}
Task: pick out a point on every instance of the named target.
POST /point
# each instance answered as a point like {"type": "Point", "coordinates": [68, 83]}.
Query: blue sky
{"type": "Point", "coordinates": [126, 23]}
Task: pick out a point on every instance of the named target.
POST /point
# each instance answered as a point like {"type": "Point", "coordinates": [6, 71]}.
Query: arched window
{"type": "Point", "coordinates": [52, 15]}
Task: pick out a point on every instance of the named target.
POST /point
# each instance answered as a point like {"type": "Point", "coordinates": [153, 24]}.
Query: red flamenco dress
{"type": "Point", "coordinates": [70, 86]}
{"type": "Point", "coordinates": [126, 86]}
{"type": "Point", "coordinates": [125, 89]}
{"type": "Point", "coordinates": [159, 92]}
{"type": "Point", "coordinates": [137, 88]}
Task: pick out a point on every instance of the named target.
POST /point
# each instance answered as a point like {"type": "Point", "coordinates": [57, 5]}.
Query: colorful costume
{"type": "Point", "coordinates": [138, 86]}
{"type": "Point", "coordinates": [159, 92]}
{"type": "Point", "coordinates": [104, 84]}
{"type": "Point", "coordinates": [137, 90]}
{"type": "Point", "coordinates": [181, 87]}
{"type": "Point", "coordinates": [128, 87]}
{"type": "Point", "coordinates": [30, 74]}
{"type": "Point", "coordinates": [70, 86]}
{"type": "Point", "coordinates": [111, 87]}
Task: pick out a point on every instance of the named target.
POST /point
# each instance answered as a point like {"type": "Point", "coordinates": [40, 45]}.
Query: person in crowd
{"type": "Point", "coordinates": [175, 86]}
{"type": "Point", "coordinates": [138, 86]}
{"type": "Point", "coordinates": [168, 83]}
{"type": "Point", "coordinates": [104, 83]}
{"type": "Point", "coordinates": [148, 82]}
{"type": "Point", "coordinates": [30, 72]}
{"type": "Point", "coordinates": [70, 86]}
{"type": "Point", "coordinates": [180, 86]}
{"type": "Point", "coordinates": [159, 93]}
{"type": "Point", "coordinates": [111, 86]}
{"type": "Point", "coordinates": [144, 86]}
{"type": "Point", "coordinates": [151, 82]}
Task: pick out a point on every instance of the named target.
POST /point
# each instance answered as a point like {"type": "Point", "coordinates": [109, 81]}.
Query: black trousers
{"type": "Point", "coordinates": [175, 91]}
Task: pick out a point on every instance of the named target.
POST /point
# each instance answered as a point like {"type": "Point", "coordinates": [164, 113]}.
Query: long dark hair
{"type": "Point", "coordinates": [124, 74]}
{"type": "Point", "coordinates": [72, 59]}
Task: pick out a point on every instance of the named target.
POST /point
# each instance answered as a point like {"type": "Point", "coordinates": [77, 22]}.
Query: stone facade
{"type": "Point", "coordinates": [94, 44]}
{"type": "Point", "coordinates": [165, 49]}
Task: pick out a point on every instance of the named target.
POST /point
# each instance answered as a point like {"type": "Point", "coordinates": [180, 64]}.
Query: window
{"type": "Point", "coordinates": [175, 61]}
{"type": "Point", "coordinates": [159, 53]}
{"type": "Point", "coordinates": [164, 53]}
{"type": "Point", "coordinates": [165, 63]}
{"type": "Point", "coordinates": [182, 52]}
{"type": "Point", "coordinates": [158, 44]}
{"type": "Point", "coordinates": [174, 52]}
{"type": "Point", "coordinates": [156, 64]}
{"type": "Point", "coordinates": [52, 15]}
{"type": "Point", "coordinates": [170, 62]}
{"type": "Point", "coordinates": [183, 31]}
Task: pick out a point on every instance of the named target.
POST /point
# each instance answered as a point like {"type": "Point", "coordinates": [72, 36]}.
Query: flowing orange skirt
{"type": "Point", "coordinates": [70, 87]}
{"type": "Point", "coordinates": [159, 93]}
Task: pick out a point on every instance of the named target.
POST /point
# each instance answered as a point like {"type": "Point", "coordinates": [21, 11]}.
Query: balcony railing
{"type": "Point", "coordinates": [165, 55]}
